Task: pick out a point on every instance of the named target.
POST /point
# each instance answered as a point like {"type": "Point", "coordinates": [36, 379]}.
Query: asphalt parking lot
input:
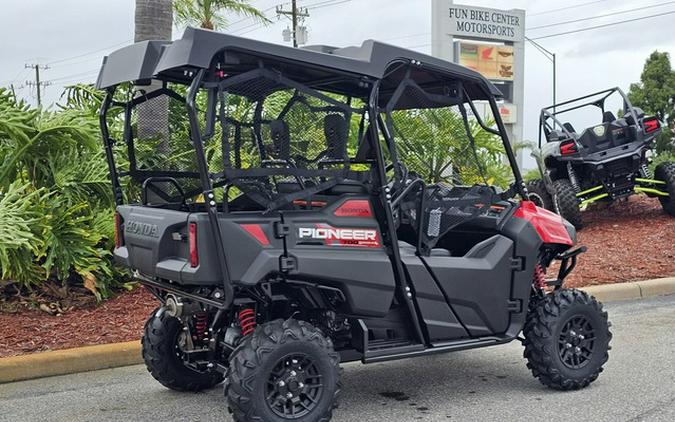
{"type": "Point", "coordinates": [481, 385]}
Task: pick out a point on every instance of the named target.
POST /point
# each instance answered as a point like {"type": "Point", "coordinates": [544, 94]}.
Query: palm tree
{"type": "Point", "coordinates": [209, 14]}
{"type": "Point", "coordinates": [154, 21]}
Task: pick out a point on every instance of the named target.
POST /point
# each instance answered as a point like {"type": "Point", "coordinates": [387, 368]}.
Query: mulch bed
{"type": "Point", "coordinates": [627, 241]}
{"type": "Point", "coordinates": [115, 320]}
{"type": "Point", "coordinates": [631, 240]}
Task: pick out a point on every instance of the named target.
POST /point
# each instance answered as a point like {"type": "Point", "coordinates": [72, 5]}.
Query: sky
{"type": "Point", "coordinates": [72, 36]}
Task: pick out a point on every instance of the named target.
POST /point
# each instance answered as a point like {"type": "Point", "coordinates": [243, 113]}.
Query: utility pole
{"type": "Point", "coordinates": [38, 84]}
{"type": "Point", "coordinates": [297, 34]}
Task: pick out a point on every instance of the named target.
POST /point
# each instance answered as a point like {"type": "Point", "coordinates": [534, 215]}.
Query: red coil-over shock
{"type": "Point", "coordinates": [539, 277]}
{"type": "Point", "coordinates": [201, 322]}
{"type": "Point", "coordinates": [247, 321]}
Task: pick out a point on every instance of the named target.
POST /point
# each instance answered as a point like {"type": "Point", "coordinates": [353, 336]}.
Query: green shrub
{"type": "Point", "coordinates": [532, 174]}
{"type": "Point", "coordinates": [55, 197]}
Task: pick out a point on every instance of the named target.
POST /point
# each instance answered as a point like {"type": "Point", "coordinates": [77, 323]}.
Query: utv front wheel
{"type": "Point", "coordinates": [161, 344]}
{"type": "Point", "coordinates": [286, 370]}
{"type": "Point", "coordinates": [566, 203]}
{"type": "Point", "coordinates": [666, 172]}
{"type": "Point", "coordinates": [537, 193]}
{"type": "Point", "coordinates": [567, 339]}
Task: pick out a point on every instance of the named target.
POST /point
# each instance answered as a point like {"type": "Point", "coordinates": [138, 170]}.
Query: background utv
{"type": "Point", "coordinates": [605, 162]}
{"type": "Point", "coordinates": [289, 236]}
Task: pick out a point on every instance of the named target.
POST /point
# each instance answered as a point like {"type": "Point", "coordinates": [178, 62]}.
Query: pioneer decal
{"type": "Point", "coordinates": [367, 238]}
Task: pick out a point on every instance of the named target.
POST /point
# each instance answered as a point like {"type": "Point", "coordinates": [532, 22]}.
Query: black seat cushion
{"type": "Point", "coordinates": [348, 186]}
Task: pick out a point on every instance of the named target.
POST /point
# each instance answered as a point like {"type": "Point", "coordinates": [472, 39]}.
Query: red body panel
{"type": "Point", "coordinates": [354, 208]}
{"type": "Point", "coordinates": [548, 225]}
{"type": "Point", "coordinates": [257, 232]}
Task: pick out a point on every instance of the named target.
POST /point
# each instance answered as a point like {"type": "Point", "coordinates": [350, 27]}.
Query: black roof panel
{"type": "Point", "coordinates": [197, 48]}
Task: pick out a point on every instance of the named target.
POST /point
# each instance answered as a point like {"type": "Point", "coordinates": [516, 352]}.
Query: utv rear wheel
{"type": "Point", "coordinates": [567, 339]}
{"type": "Point", "coordinates": [666, 172]}
{"type": "Point", "coordinates": [286, 370]}
{"type": "Point", "coordinates": [162, 354]}
{"type": "Point", "coordinates": [537, 193]}
{"type": "Point", "coordinates": [566, 203]}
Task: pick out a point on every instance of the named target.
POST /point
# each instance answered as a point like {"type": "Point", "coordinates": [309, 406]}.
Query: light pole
{"type": "Point", "coordinates": [549, 55]}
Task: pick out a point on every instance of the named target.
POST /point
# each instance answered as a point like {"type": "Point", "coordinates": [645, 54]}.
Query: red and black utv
{"type": "Point", "coordinates": [262, 199]}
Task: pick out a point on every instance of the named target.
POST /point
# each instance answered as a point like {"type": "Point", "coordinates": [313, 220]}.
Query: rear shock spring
{"type": "Point", "coordinates": [539, 277]}
{"type": "Point", "coordinates": [247, 321]}
{"type": "Point", "coordinates": [645, 172]}
{"type": "Point", "coordinates": [573, 177]}
{"type": "Point", "coordinates": [201, 322]}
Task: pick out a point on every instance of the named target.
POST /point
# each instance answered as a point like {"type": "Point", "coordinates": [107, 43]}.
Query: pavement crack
{"type": "Point", "coordinates": [652, 410]}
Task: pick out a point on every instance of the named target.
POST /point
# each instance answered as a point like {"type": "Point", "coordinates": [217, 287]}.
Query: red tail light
{"type": "Point", "coordinates": [651, 124]}
{"type": "Point", "coordinates": [118, 230]}
{"type": "Point", "coordinates": [568, 147]}
{"type": "Point", "coordinates": [192, 241]}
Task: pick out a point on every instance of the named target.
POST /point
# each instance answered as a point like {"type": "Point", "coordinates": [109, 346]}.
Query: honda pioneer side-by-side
{"type": "Point", "coordinates": [605, 162]}
{"type": "Point", "coordinates": [262, 199]}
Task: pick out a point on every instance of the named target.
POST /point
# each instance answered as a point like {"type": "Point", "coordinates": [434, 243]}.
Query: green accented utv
{"type": "Point", "coordinates": [605, 162]}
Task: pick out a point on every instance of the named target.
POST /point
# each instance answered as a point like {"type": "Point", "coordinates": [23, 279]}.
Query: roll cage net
{"type": "Point", "coordinates": [282, 141]}
{"type": "Point", "coordinates": [440, 137]}
{"type": "Point", "coordinates": [266, 138]}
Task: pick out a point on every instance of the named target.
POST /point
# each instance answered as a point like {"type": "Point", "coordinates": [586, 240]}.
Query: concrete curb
{"type": "Point", "coordinates": [632, 290]}
{"type": "Point", "coordinates": [69, 361]}
{"type": "Point", "coordinates": [91, 358]}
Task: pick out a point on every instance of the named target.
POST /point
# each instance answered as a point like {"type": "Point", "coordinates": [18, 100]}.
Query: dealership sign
{"type": "Point", "coordinates": [493, 61]}
{"type": "Point", "coordinates": [478, 22]}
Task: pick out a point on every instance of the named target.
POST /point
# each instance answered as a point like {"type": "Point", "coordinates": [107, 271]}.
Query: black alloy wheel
{"type": "Point", "coordinates": [576, 341]}
{"type": "Point", "coordinates": [294, 386]}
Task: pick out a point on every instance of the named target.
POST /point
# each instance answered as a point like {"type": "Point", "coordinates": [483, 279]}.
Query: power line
{"type": "Point", "coordinates": [20, 74]}
{"type": "Point", "coordinates": [89, 52]}
{"type": "Point", "coordinates": [264, 12]}
{"type": "Point", "coordinates": [326, 3]}
{"type": "Point", "coordinates": [598, 16]}
{"type": "Point", "coordinates": [255, 25]}
{"type": "Point", "coordinates": [565, 8]}
{"type": "Point", "coordinates": [91, 59]}
{"type": "Point", "coordinates": [86, 72]}
{"type": "Point", "coordinates": [603, 26]}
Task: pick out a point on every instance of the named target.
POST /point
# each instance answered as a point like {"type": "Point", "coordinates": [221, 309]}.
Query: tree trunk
{"type": "Point", "coordinates": [154, 21]}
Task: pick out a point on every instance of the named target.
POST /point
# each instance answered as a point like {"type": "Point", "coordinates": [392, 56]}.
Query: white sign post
{"type": "Point", "coordinates": [450, 21]}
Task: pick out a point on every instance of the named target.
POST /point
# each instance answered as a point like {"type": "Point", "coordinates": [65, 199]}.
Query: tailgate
{"type": "Point", "coordinates": [154, 241]}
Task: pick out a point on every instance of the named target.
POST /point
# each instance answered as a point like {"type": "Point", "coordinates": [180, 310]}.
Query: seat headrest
{"type": "Point", "coordinates": [608, 117]}
{"type": "Point", "coordinates": [568, 126]}
{"type": "Point", "coordinates": [281, 138]}
{"type": "Point", "coordinates": [336, 130]}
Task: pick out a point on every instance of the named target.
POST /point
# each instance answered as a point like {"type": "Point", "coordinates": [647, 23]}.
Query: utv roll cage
{"type": "Point", "coordinates": [549, 116]}
{"type": "Point", "coordinates": [372, 80]}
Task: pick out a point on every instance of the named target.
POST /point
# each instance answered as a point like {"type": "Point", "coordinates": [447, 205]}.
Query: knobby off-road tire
{"type": "Point", "coordinates": [666, 172]}
{"type": "Point", "coordinates": [272, 354]}
{"type": "Point", "coordinates": [161, 356]}
{"type": "Point", "coordinates": [537, 193]}
{"type": "Point", "coordinates": [566, 203]}
{"type": "Point", "coordinates": [563, 321]}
